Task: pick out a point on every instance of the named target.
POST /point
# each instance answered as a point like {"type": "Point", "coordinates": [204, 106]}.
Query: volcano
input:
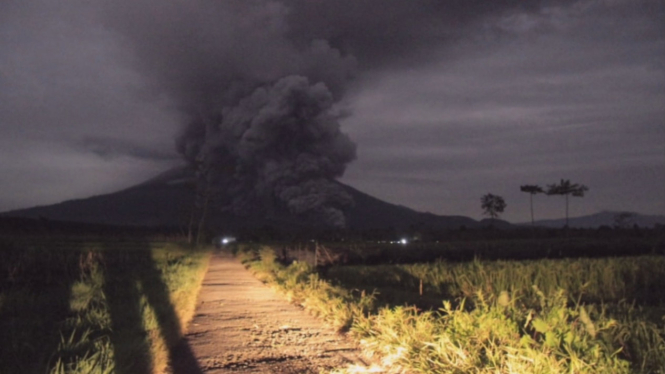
{"type": "Point", "coordinates": [167, 200]}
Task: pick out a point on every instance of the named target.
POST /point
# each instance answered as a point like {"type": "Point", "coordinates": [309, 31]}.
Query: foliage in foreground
{"type": "Point", "coordinates": [500, 334]}
{"type": "Point", "coordinates": [104, 307]}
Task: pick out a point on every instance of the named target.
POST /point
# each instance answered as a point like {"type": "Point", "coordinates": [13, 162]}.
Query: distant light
{"type": "Point", "coordinates": [404, 241]}
{"type": "Point", "coordinates": [227, 239]}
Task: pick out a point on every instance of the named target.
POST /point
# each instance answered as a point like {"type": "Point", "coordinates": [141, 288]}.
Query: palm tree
{"type": "Point", "coordinates": [566, 188]}
{"type": "Point", "coordinates": [532, 190]}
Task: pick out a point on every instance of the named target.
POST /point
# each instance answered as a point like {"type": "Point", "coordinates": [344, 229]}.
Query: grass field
{"type": "Point", "coordinates": [599, 315]}
{"type": "Point", "coordinates": [103, 306]}
{"type": "Point", "coordinates": [589, 280]}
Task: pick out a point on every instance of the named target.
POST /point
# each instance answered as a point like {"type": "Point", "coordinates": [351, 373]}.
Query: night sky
{"type": "Point", "coordinates": [444, 100]}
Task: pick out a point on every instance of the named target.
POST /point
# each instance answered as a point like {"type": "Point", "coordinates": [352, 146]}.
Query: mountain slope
{"type": "Point", "coordinates": [167, 199]}
{"type": "Point", "coordinates": [370, 212]}
{"type": "Point", "coordinates": [153, 203]}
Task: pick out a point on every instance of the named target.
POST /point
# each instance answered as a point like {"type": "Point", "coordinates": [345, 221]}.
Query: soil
{"type": "Point", "coordinates": [244, 326]}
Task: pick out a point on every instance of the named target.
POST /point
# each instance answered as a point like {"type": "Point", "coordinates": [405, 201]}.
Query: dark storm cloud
{"type": "Point", "coordinates": [207, 54]}
{"type": "Point", "coordinates": [568, 92]}
{"type": "Point", "coordinates": [388, 32]}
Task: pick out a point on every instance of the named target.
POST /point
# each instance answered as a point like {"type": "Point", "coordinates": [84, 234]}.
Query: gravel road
{"type": "Point", "coordinates": [244, 326]}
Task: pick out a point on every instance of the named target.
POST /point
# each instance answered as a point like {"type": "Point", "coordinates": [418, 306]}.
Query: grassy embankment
{"type": "Point", "coordinates": [546, 316]}
{"type": "Point", "coordinates": [72, 306]}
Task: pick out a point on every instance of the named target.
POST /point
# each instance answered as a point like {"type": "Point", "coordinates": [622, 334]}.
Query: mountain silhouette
{"type": "Point", "coordinates": [167, 200]}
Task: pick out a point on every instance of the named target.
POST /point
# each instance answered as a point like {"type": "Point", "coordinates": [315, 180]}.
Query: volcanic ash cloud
{"type": "Point", "coordinates": [259, 128]}
{"type": "Point", "coordinates": [281, 146]}
{"type": "Point", "coordinates": [256, 81]}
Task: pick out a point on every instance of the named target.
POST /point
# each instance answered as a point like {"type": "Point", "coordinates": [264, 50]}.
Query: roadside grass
{"type": "Point", "coordinates": [518, 329]}
{"type": "Point", "coordinates": [68, 306]}
{"type": "Point", "coordinates": [302, 285]}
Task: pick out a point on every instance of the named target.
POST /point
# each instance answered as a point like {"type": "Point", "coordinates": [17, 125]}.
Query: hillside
{"type": "Point", "coordinates": [167, 199]}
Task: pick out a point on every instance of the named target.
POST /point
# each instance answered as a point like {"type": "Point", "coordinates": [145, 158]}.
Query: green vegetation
{"type": "Point", "coordinates": [503, 336]}
{"type": "Point", "coordinates": [607, 280]}
{"type": "Point", "coordinates": [70, 306]}
{"type": "Point", "coordinates": [303, 286]}
{"type": "Point", "coordinates": [548, 316]}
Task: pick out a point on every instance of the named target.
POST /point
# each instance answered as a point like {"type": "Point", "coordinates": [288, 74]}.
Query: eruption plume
{"type": "Point", "coordinates": [258, 80]}
{"type": "Point", "coordinates": [261, 129]}
{"type": "Point", "coordinates": [279, 146]}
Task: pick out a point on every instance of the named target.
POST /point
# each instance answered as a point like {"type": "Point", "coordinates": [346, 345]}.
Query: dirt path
{"type": "Point", "coordinates": [244, 326]}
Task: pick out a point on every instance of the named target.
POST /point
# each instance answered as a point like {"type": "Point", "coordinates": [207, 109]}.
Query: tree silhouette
{"type": "Point", "coordinates": [202, 197]}
{"type": "Point", "coordinates": [566, 188]}
{"type": "Point", "coordinates": [492, 205]}
{"type": "Point", "coordinates": [532, 190]}
{"type": "Point", "coordinates": [212, 173]}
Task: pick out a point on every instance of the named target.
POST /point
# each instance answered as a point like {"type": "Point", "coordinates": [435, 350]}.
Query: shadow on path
{"type": "Point", "coordinates": [133, 286]}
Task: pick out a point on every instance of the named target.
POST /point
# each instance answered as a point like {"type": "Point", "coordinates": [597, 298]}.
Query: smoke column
{"type": "Point", "coordinates": [278, 146]}
{"type": "Point", "coordinates": [257, 81]}
{"type": "Point", "coordinates": [259, 106]}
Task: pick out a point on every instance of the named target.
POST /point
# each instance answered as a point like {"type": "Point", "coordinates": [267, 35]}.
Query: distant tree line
{"type": "Point", "coordinates": [494, 205]}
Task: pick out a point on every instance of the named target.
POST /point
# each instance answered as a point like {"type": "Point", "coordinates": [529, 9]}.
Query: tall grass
{"type": "Point", "coordinates": [589, 280]}
{"type": "Point", "coordinates": [490, 322]}
{"type": "Point", "coordinates": [95, 307]}
{"type": "Point", "coordinates": [498, 336]}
